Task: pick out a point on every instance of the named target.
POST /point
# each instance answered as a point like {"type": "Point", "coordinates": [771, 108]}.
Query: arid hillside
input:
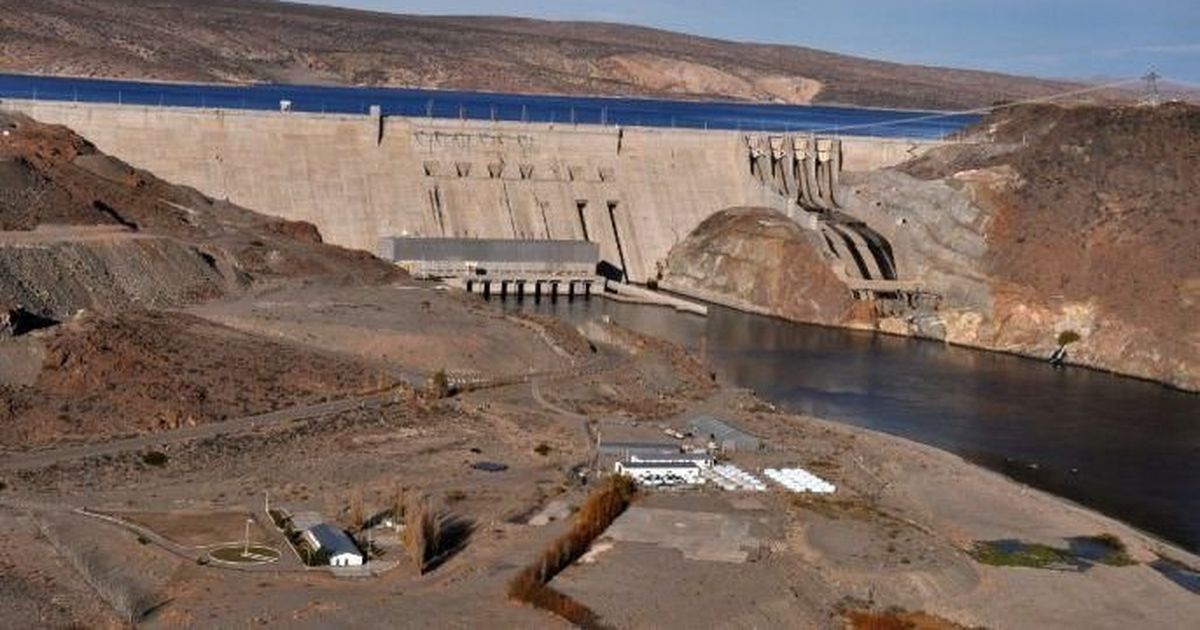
{"type": "Point", "coordinates": [98, 260]}
{"type": "Point", "coordinates": [257, 40]}
{"type": "Point", "coordinates": [1047, 225]}
{"type": "Point", "coordinates": [80, 229]}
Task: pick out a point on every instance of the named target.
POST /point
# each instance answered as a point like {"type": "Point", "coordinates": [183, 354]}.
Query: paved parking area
{"type": "Point", "coordinates": [698, 535]}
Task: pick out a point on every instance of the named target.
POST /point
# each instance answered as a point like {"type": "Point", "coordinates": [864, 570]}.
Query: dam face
{"type": "Point", "coordinates": [635, 192]}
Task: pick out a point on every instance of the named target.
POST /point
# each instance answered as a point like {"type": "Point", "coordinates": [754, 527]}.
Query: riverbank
{"type": "Point", "coordinates": [1053, 429]}
{"type": "Point", "coordinates": [907, 529]}
{"type": "Point", "coordinates": [908, 517]}
{"type": "Point", "coordinates": [898, 328]}
{"type": "Point", "coordinates": [901, 531]}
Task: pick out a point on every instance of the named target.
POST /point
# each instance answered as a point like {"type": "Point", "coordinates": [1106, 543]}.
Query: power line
{"type": "Point", "coordinates": [981, 110]}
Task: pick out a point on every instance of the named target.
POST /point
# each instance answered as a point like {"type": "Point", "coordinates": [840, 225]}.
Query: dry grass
{"type": "Point", "coordinates": [595, 515]}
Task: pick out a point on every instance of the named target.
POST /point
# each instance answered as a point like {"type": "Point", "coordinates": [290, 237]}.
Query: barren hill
{"type": "Point", "coordinates": [259, 40]}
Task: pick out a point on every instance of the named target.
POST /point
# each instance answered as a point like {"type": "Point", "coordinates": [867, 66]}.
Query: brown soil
{"type": "Point", "coordinates": [257, 40]}
{"type": "Point", "coordinates": [152, 371]}
{"type": "Point", "coordinates": [898, 620]}
{"type": "Point", "coordinates": [198, 528]}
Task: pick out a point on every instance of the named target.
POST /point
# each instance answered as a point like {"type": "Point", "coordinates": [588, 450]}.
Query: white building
{"type": "Point", "coordinates": [672, 473]}
{"type": "Point", "coordinates": [337, 546]}
{"type": "Point", "coordinates": [703, 460]}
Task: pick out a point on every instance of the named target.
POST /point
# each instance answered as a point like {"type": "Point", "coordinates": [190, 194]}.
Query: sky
{"type": "Point", "coordinates": [1077, 39]}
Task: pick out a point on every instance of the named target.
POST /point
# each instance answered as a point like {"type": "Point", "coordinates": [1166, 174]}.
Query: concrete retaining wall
{"type": "Point", "coordinates": [636, 192]}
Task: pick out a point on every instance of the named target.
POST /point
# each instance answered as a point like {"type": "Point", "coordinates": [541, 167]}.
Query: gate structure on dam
{"type": "Point", "coordinates": [806, 171]}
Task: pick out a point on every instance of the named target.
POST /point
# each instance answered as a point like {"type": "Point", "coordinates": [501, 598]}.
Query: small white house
{"type": "Point", "coordinates": [676, 473]}
{"type": "Point", "coordinates": [337, 546]}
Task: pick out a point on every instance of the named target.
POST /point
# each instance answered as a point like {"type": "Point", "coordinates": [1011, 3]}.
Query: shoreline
{"type": "Point", "coordinates": [712, 299]}
{"type": "Point", "coordinates": [920, 449]}
{"type": "Point", "coordinates": [847, 426]}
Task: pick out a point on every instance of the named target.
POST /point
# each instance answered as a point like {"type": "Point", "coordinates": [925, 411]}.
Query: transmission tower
{"type": "Point", "coordinates": [1152, 95]}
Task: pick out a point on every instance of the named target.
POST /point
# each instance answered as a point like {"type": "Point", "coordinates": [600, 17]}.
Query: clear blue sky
{"type": "Point", "coordinates": [1053, 38]}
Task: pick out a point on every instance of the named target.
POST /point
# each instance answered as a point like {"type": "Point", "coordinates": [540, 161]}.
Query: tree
{"type": "Point", "coordinates": [439, 385]}
{"type": "Point", "coordinates": [421, 532]}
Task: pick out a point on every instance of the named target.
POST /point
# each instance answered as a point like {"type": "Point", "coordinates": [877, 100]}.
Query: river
{"type": "Point", "coordinates": [1124, 447]}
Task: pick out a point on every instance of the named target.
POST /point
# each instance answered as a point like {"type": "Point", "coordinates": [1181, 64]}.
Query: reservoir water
{"type": "Point", "coordinates": [1124, 447]}
{"type": "Point", "coordinates": [635, 112]}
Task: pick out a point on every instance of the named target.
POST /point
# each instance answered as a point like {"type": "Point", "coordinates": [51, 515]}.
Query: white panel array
{"type": "Point", "coordinates": [730, 477]}
{"type": "Point", "coordinates": [799, 480]}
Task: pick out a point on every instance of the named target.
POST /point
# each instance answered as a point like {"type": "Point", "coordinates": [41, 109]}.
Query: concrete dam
{"type": "Point", "coordinates": [635, 192]}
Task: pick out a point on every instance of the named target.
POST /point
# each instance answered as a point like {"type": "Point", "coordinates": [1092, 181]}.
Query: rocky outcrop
{"type": "Point", "coordinates": [1050, 224]}
{"type": "Point", "coordinates": [758, 260]}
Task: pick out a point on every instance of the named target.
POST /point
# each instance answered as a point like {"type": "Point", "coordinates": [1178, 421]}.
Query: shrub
{"type": "Point", "coordinates": [154, 458]}
{"type": "Point", "coordinates": [1068, 337]}
{"type": "Point", "coordinates": [542, 449]}
{"type": "Point", "coordinates": [439, 385]}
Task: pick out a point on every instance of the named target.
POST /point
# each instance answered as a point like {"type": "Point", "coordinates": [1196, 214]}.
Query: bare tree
{"type": "Point", "coordinates": [421, 531]}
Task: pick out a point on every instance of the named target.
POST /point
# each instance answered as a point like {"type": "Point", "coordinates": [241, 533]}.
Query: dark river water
{"type": "Point", "coordinates": [1127, 448]}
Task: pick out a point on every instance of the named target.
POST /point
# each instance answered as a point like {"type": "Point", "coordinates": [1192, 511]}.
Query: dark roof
{"type": "Point", "coordinates": [333, 540]}
{"type": "Point", "coordinates": [724, 432]}
{"type": "Point", "coordinates": [484, 250]}
{"type": "Point", "coordinates": [646, 447]}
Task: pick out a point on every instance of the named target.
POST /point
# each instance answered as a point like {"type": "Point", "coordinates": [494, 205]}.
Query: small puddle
{"type": "Point", "coordinates": [1179, 573]}
{"type": "Point", "coordinates": [1080, 554]}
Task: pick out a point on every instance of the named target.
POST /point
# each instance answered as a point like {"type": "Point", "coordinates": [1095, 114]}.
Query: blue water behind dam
{"type": "Point", "coordinates": [493, 106]}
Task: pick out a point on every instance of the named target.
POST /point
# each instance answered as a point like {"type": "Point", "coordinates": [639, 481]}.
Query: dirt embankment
{"type": "Point", "coordinates": [1048, 224]}
{"type": "Point", "coordinates": [151, 371]}
{"type": "Point", "coordinates": [80, 229]}
{"type": "Point", "coordinates": [260, 40]}
{"type": "Point", "coordinates": [92, 251]}
{"type": "Point", "coordinates": [758, 260]}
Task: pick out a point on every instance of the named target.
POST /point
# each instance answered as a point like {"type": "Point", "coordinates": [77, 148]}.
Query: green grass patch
{"type": "Point", "coordinates": [1081, 553]}
{"type": "Point", "coordinates": [1013, 553]}
{"type": "Point", "coordinates": [1104, 549]}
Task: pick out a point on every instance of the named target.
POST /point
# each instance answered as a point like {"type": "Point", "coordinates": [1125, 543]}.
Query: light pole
{"type": "Point", "coordinates": [246, 544]}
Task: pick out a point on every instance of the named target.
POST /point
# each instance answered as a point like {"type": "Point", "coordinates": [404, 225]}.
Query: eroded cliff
{"type": "Point", "coordinates": [1045, 225]}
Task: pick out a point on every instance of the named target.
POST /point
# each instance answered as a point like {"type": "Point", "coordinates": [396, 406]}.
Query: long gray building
{"type": "Point", "coordinates": [492, 258]}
